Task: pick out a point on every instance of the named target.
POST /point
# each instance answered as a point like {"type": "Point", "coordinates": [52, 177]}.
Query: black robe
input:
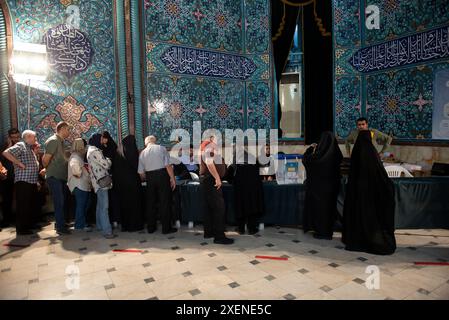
{"type": "Point", "coordinates": [128, 185]}
{"type": "Point", "coordinates": [322, 186]}
{"type": "Point", "coordinates": [248, 194]}
{"type": "Point", "coordinates": [368, 216]}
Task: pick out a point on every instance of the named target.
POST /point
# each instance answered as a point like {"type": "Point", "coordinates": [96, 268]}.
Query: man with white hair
{"type": "Point", "coordinates": [155, 167]}
{"type": "Point", "coordinates": [26, 171]}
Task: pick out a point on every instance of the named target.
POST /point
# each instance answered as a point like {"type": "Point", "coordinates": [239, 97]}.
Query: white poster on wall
{"type": "Point", "coordinates": [440, 118]}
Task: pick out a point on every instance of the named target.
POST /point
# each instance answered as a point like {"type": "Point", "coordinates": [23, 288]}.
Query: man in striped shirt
{"type": "Point", "coordinates": [26, 171]}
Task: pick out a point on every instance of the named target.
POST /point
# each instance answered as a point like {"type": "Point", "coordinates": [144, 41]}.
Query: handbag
{"type": "Point", "coordinates": [103, 182]}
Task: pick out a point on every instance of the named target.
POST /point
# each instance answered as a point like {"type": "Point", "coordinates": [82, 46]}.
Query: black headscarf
{"type": "Point", "coordinates": [369, 204]}
{"type": "Point", "coordinates": [111, 148]}
{"type": "Point", "coordinates": [322, 185]}
{"type": "Point", "coordinates": [130, 151]}
{"type": "Point", "coordinates": [127, 184]}
{"type": "Point", "coordinates": [95, 140]}
{"type": "Point", "coordinates": [327, 156]}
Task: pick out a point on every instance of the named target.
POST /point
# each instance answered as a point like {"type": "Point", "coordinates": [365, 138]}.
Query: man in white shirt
{"type": "Point", "coordinates": [155, 167]}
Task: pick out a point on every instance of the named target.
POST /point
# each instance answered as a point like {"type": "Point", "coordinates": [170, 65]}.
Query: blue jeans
{"type": "Point", "coordinates": [57, 190]}
{"type": "Point", "coordinates": [82, 204]}
{"type": "Point", "coordinates": [102, 215]}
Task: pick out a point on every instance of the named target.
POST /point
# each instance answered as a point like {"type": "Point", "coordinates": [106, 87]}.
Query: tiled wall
{"type": "Point", "coordinates": [207, 61]}
{"type": "Point", "coordinates": [394, 87]}
{"type": "Point", "coordinates": [80, 87]}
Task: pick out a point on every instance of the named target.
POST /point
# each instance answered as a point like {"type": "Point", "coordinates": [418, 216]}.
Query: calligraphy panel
{"type": "Point", "coordinates": [69, 49]}
{"type": "Point", "coordinates": [197, 62]}
{"type": "Point", "coordinates": [417, 48]}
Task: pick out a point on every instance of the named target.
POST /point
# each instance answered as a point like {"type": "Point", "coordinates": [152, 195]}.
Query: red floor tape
{"type": "Point", "coordinates": [126, 250]}
{"type": "Point", "coordinates": [432, 263]}
{"type": "Point", "coordinates": [271, 258]}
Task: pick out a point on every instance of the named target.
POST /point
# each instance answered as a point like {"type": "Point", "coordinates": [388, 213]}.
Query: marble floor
{"type": "Point", "coordinates": [184, 266]}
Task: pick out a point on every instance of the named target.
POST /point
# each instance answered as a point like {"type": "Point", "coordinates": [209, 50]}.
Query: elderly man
{"type": "Point", "coordinates": [56, 164]}
{"type": "Point", "coordinates": [26, 171]}
{"type": "Point", "coordinates": [155, 167]}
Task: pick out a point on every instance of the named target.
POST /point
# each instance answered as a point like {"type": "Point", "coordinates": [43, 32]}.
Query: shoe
{"type": "Point", "coordinates": [224, 241]}
{"type": "Point", "coordinates": [63, 231]}
{"type": "Point", "coordinates": [109, 236]}
{"type": "Point", "coordinates": [151, 230]}
{"type": "Point", "coordinates": [240, 230]}
{"type": "Point", "coordinates": [85, 229]}
{"type": "Point", "coordinates": [171, 230]}
{"type": "Point", "coordinates": [253, 231]}
{"type": "Point", "coordinates": [208, 236]}
{"type": "Point", "coordinates": [317, 236]}
{"type": "Point", "coordinates": [25, 232]}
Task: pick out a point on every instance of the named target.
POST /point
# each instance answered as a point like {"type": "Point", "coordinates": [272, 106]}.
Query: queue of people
{"type": "Point", "coordinates": [100, 169]}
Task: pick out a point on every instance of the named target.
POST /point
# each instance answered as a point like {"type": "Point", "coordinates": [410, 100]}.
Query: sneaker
{"type": "Point", "coordinates": [151, 230]}
{"type": "Point", "coordinates": [63, 231]}
{"type": "Point", "coordinates": [224, 241]}
{"type": "Point", "coordinates": [318, 236]}
{"type": "Point", "coordinates": [171, 230]}
{"type": "Point", "coordinates": [240, 230]}
{"type": "Point", "coordinates": [253, 231]}
{"type": "Point", "coordinates": [109, 236]}
{"type": "Point", "coordinates": [85, 229]}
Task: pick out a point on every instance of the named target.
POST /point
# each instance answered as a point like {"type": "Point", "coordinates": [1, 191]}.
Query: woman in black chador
{"type": "Point", "coordinates": [368, 215]}
{"type": "Point", "coordinates": [249, 203]}
{"type": "Point", "coordinates": [322, 163]}
{"type": "Point", "coordinates": [128, 185]}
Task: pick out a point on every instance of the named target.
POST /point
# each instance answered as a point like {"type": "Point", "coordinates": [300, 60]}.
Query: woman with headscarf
{"type": "Point", "coordinates": [109, 149]}
{"type": "Point", "coordinates": [79, 183]}
{"type": "Point", "coordinates": [368, 215]}
{"type": "Point", "coordinates": [128, 185]}
{"type": "Point", "coordinates": [322, 163]}
{"type": "Point", "coordinates": [99, 167]}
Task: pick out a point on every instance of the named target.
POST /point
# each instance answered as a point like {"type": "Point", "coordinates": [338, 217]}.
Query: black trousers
{"type": "Point", "coordinates": [213, 208]}
{"type": "Point", "coordinates": [250, 221]}
{"type": "Point", "coordinates": [158, 191]}
{"type": "Point", "coordinates": [26, 205]}
{"type": "Point", "coordinates": [7, 191]}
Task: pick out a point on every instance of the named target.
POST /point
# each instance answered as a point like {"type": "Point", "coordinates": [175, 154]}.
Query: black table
{"type": "Point", "coordinates": [283, 203]}
{"type": "Point", "coordinates": [420, 203]}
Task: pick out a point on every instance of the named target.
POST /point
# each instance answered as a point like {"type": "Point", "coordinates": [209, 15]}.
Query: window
{"type": "Point", "coordinates": [290, 91]}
